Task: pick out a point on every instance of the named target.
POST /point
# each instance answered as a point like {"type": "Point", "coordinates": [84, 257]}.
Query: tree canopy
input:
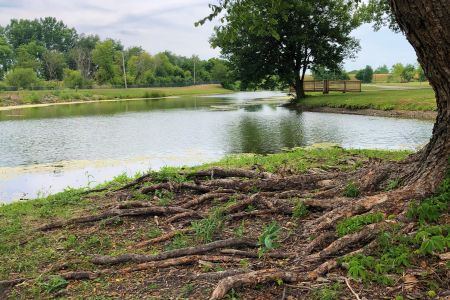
{"type": "Point", "coordinates": [51, 51]}
{"type": "Point", "coordinates": [275, 42]}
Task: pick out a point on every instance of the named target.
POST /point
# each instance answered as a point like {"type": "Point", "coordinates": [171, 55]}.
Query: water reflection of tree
{"type": "Point", "coordinates": [266, 135]}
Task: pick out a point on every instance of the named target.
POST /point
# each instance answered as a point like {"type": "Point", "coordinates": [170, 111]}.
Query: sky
{"type": "Point", "coordinates": [169, 25]}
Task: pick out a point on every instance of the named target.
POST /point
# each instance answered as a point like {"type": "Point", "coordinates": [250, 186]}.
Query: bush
{"type": "Point", "coordinates": [2, 86]}
{"type": "Point", "coordinates": [22, 78]}
{"type": "Point", "coordinates": [74, 80]}
{"type": "Point", "coordinates": [365, 75]}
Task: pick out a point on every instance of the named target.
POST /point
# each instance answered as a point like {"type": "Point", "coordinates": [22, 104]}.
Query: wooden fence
{"type": "Point", "coordinates": [327, 86]}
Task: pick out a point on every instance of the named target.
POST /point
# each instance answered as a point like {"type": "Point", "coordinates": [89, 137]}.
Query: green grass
{"type": "Point", "coordinates": [18, 220]}
{"type": "Point", "coordinates": [67, 95]}
{"type": "Point", "coordinates": [412, 100]}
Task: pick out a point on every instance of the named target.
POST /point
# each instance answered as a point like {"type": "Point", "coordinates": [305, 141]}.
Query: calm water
{"type": "Point", "coordinates": [74, 145]}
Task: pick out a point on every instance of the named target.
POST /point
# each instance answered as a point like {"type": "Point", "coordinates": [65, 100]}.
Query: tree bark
{"type": "Point", "coordinates": [426, 24]}
{"type": "Point", "coordinates": [299, 90]}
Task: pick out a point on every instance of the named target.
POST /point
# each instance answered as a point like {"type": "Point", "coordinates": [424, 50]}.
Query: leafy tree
{"type": "Point", "coordinates": [105, 56]}
{"type": "Point", "coordinates": [81, 55]}
{"type": "Point", "coordinates": [141, 68]}
{"type": "Point", "coordinates": [22, 78]}
{"type": "Point", "coordinates": [321, 73]}
{"type": "Point", "coordinates": [6, 56]}
{"type": "Point", "coordinates": [421, 74]}
{"type": "Point", "coordinates": [30, 56]}
{"type": "Point", "coordinates": [271, 42]}
{"type": "Point", "coordinates": [382, 70]}
{"type": "Point", "coordinates": [53, 65]}
{"type": "Point", "coordinates": [52, 34]}
{"type": "Point", "coordinates": [397, 70]}
{"type": "Point", "coordinates": [408, 73]}
{"type": "Point", "coordinates": [365, 75]}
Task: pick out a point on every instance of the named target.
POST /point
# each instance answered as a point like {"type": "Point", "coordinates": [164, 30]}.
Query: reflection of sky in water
{"type": "Point", "coordinates": [174, 132]}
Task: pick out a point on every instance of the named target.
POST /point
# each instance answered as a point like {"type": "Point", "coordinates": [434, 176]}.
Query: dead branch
{"type": "Point", "coordinates": [250, 254]}
{"type": "Point", "coordinates": [163, 238]}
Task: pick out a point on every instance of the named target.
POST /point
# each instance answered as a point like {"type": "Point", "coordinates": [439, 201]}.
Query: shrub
{"type": "Point", "coordinates": [355, 224]}
{"type": "Point", "coordinates": [74, 80]}
{"type": "Point", "coordinates": [351, 190]}
{"type": "Point", "coordinates": [22, 78]}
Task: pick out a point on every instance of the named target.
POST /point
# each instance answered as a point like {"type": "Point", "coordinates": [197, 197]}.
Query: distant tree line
{"type": "Point", "coordinates": [46, 52]}
{"type": "Point", "coordinates": [397, 73]}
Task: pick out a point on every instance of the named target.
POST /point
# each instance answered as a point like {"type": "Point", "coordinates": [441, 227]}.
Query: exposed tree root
{"type": "Point", "coordinates": [163, 238]}
{"type": "Point", "coordinates": [250, 254]}
{"type": "Point", "coordinates": [184, 260]}
{"type": "Point", "coordinates": [218, 275]}
{"type": "Point", "coordinates": [114, 260]}
{"type": "Point", "coordinates": [226, 173]}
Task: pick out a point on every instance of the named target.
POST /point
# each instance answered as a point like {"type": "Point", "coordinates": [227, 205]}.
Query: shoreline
{"type": "Point", "coordinates": [15, 107]}
{"type": "Point", "coordinates": [404, 114]}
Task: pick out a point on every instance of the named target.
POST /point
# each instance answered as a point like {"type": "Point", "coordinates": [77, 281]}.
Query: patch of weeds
{"type": "Point", "coordinates": [392, 185]}
{"type": "Point", "coordinates": [240, 230]}
{"type": "Point", "coordinates": [432, 239]}
{"type": "Point", "coordinates": [206, 228]}
{"type": "Point", "coordinates": [232, 295]}
{"type": "Point", "coordinates": [268, 239]}
{"type": "Point", "coordinates": [169, 174]}
{"type": "Point", "coordinates": [332, 292]}
{"type": "Point", "coordinates": [431, 209]}
{"type": "Point", "coordinates": [96, 244]}
{"type": "Point", "coordinates": [54, 284]}
{"type": "Point", "coordinates": [152, 286]}
{"type": "Point", "coordinates": [376, 269]}
{"type": "Point", "coordinates": [154, 232]}
{"type": "Point", "coordinates": [356, 223]}
{"type": "Point", "coordinates": [187, 290]}
{"type": "Point", "coordinates": [71, 242]}
{"type": "Point", "coordinates": [300, 210]}
{"type": "Point", "coordinates": [178, 242]}
{"type": "Point", "coordinates": [137, 195]}
{"type": "Point", "coordinates": [250, 208]}
{"type": "Point", "coordinates": [164, 197]}
{"type": "Point", "coordinates": [351, 190]}
{"type": "Point", "coordinates": [244, 263]}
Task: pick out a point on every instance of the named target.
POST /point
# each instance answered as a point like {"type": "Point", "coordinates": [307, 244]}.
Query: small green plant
{"type": "Point", "coordinates": [154, 232]}
{"type": "Point", "coordinates": [164, 197]}
{"type": "Point", "coordinates": [179, 241]}
{"type": "Point", "coordinates": [187, 289]}
{"type": "Point", "coordinates": [153, 286]}
{"type": "Point", "coordinates": [206, 228]}
{"type": "Point", "coordinates": [232, 295]}
{"type": "Point", "coordinates": [356, 223]}
{"type": "Point", "coordinates": [432, 239]}
{"type": "Point", "coordinates": [392, 185]}
{"type": "Point", "coordinates": [351, 190]}
{"type": "Point", "coordinates": [300, 210]}
{"type": "Point", "coordinates": [240, 230]}
{"type": "Point", "coordinates": [328, 293]}
{"type": "Point", "coordinates": [268, 239]}
{"type": "Point", "coordinates": [55, 284]}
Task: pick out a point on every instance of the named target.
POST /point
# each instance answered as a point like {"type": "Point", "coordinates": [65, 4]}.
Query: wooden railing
{"type": "Point", "coordinates": [327, 86]}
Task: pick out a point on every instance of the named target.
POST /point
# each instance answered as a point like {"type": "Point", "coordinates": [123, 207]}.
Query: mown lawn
{"type": "Point", "coordinates": [412, 100]}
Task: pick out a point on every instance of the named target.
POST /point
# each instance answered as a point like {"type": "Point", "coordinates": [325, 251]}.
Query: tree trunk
{"type": "Point", "coordinates": [426, 24]}
{"type": "Point", "coordinates": [299, 89]}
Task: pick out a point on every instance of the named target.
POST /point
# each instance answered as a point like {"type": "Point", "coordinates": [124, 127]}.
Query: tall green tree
{"type": "Point", "coordinates": [53, 64]}
{"type": "Point", "coordinates": [322, 73]}
{"type": "Point", "coordinates": [6, 56]}
{"type": "Point", "coordinates": [273, 41]}
{"type": "Point", "coordinates": [108, 57]}
{"type": "Point", "coordinates": [382, 70]}
{"type": "Point", "coordinates": [365, 75]}
{"type": "Point", "coordinates": [81, 55]}
{"type": "Point", "coordinates": [408, 73]}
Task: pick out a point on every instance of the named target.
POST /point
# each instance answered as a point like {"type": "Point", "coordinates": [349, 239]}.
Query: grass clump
{"type": "Point", "coordinates": [300, 210]}
{"type": "Point", "coordinates": [351, 190]}
{"type": "Point", "coordinates": [206, 228]}
{"type": "Point", "coordinates": [332, 292]}
{"type": "Point", "coordinates": [54, 284]}
{"type": "Point", "coordinates": [268, 239]}
{"type": "Point", "coordinates": [356, 223]}
{"type": "Point", "coordinates": [178, 242]}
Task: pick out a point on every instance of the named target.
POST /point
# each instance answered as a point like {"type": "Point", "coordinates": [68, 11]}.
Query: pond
{"type": "Point", "coordinates": [45, 149]}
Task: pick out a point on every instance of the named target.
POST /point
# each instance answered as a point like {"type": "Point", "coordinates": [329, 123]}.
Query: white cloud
{"type": "Point", "coordinates": [169, 25]}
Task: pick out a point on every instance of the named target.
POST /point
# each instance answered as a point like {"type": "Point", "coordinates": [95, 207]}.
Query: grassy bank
{"type": "Point", "coordinates": [27, 253]}
{"type": "Point", "coordinates": [40, 97]}
{"type": "Point", "coordinates": [376, 98]}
